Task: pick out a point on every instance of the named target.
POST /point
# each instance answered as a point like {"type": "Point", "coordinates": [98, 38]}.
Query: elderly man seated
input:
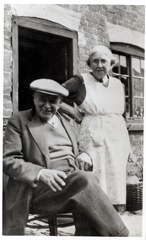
{"type": "Point", "coordinates": [40, 159]}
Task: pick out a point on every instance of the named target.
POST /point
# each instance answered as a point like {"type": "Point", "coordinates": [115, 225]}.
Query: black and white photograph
{"type": "Point", "coordinates": [73, 119]}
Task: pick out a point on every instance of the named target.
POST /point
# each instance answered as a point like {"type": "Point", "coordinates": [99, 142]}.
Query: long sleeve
{"type": "Point", "coordinates": [15, 164]}
{"type": "Point", "coordinates": [77, 90]}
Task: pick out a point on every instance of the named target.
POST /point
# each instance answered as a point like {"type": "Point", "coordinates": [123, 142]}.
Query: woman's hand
{"type": "Point", "coordinates": [74, 113]}
{"type": "Point", "coordinates": [83, 161]}
{"type": "Point", "coordinates": [53, 178]}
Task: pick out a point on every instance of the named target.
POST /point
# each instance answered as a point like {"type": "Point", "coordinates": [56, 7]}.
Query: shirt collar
{"type": "Point", "coordinates": [105, 80]}
{"type": "Point", "coordinates": [54, 121]}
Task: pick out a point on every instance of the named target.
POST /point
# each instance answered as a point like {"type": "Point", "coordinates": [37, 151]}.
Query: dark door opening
{"type": "Point", "coordinates": [41, 55]}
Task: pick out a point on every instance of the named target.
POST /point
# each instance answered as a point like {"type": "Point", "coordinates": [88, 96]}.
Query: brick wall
{"type": "Point", "coordinates": [136, 139]}
{"type": "Point", "coordinates": [130, 16]}
{"type": "Point", "coordinates": [7, 100]}
{"type": "Point", "coordinates": [93, 24]}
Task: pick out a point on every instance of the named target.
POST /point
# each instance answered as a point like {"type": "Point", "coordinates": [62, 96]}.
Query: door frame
{"type": "Point", "coordinates": [43, 26]}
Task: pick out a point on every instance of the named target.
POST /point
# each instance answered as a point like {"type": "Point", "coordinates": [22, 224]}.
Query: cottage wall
{"type": "Point", "coordinates": [94, 24]}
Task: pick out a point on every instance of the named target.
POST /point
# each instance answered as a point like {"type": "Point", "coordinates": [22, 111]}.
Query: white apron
{"type": "Point", "coordinates": [103, 134]}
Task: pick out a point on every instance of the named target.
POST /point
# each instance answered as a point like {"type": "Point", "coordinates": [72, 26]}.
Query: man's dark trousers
{"type": "Point", "coordinates": [93, 212]}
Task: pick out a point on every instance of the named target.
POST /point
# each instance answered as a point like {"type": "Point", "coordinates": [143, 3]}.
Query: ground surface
{"type": "Point", "coordinates": [133, 221]}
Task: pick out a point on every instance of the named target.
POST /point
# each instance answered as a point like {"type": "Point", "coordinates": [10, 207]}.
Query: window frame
{"type": "Point", "coordinates": [43, 26]}
{"type": "Point", "coordinates": [129, 51]}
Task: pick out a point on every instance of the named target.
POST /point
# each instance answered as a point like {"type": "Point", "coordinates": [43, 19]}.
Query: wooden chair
{"type": "Point", "coordinates": [52, 222]}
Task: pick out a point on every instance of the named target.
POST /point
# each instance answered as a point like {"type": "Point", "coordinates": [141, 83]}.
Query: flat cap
{"type": "Point", "coordinates": [49, 86]}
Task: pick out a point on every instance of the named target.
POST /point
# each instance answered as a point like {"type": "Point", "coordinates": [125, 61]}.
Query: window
{"type": "Point", "coordinates": [130, 70]}
{"type": "Point", "coordinates": [41, 49]}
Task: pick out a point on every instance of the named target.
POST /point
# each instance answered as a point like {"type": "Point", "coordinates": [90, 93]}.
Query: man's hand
{"type": "Point", "coordinates": [53, 178]}
{"type": "Point", "coordinates": [83, 161]}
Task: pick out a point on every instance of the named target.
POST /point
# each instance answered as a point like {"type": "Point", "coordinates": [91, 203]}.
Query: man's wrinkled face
{"type": "Point", "coordinates": [46, 105]}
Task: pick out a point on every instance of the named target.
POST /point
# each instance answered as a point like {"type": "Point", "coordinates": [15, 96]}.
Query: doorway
{"type": "Point", "coordinates": [41, 49]}
{"type": "Point", "coordinates": [41, 55]}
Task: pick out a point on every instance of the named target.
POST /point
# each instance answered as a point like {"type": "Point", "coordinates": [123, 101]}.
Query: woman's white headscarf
{"type": "Point", "coordinates": [103, 50]}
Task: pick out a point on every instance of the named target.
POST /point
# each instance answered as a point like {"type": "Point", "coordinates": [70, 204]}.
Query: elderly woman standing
{"type": "Point", "coordinates": [103, 132]}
